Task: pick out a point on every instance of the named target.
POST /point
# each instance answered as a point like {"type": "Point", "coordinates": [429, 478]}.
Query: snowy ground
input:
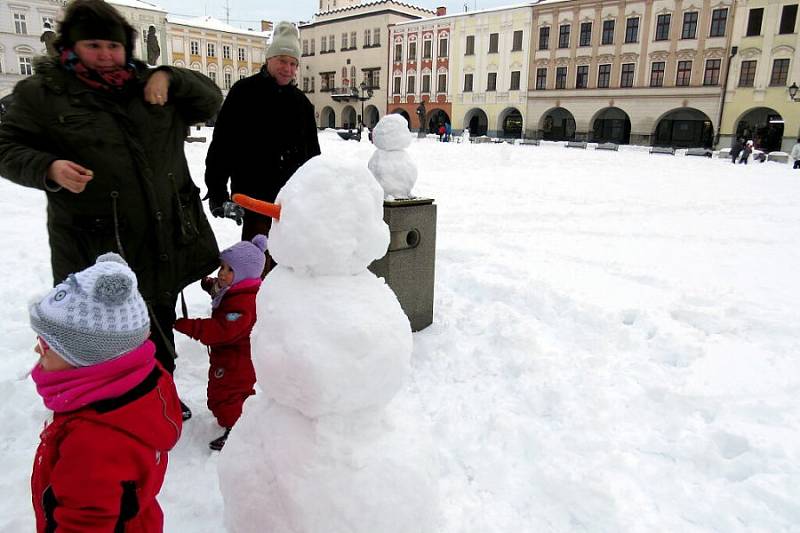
{"type": "Point", "coordinates": [614, 345]}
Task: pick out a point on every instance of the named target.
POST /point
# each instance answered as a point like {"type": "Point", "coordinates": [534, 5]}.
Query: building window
{"type": "Point", "coordinates": [582, 77]}
{"type": "Point", "coordinates": [788, 18]}
{"type": "Point", "coordinates": [628, 74]}
{"type": "Point", "coordinates": [491, 81]}
{"type": "Point", "coordinates": [367, 38]}
{"type": "Point", "coordinates": [25, 65]}
{"type": "Point", "coordinates": [719, 18]}
{"type": "Point", "coordinates": [443, 47]}
{"type": "Point", "coordinates": [754, 21]}
{"type": "Point", "coordinates": [494, 38]}
{"type": "Point", "coordinates": [412, 51]}
{"type": "Point", "coordinates": [194, 48]}
{"type": "Point", "coordinates": [227, 80]}
{"type": "Point", "coordinates": [426, 83]}
{"type": "Point", "coordinates": [312, 83]}
{"type": "Point", "coordinates": [470, 47]}
{"type": "Point", "coordinates": [212, 74]}
{"type": "Point", "coordinates": [411, 85]}
{"type": "Point", "coordinates": [689, 30]}
{"type": "Point", "coordinates": [632, 30]}
{"type": "Point", "coordinates": [585, 38]}
{"type": "Point", "coordinates": [352, 39]}
{"type": "Point", "coordinates": [376, 37]}
{"type": "Point", "coordinates": [226, 51]}
{"type": "Point", "coordinates": [541, 79]}
{"type": "Point", "coordinates": [331, 43]}
{"type": "Point", "coordinates": [563, 36]}
{"type": "Point", "coordinates": [748, 74]}
{"type": "Point", "coordinates": [20, 24]}
{"type": "Point", "coordinates": [516, 42]}
{"type": "Point", "coordinates": [396, 85]}
{"type": "Point", "coordinates": [514, 80]}
{"type": "Point", "coordinates": [211, 50]}
{"type": "Point", "coordinates": [603, 76]}
{"type": "Point", "coordinates": [657, 74]}
{"type": "Point", "coordinates": [427, 47]}
{"type": "Point", "coordinates": [467, 83]}
{"type": "Point", "coordinates": [373, 78]}
{"type": "Point", "coordinates": [327, 81]}
{"type": "Point", "coordinates": [662, 27]}
{"type": "Point", "coordinates": [344, 41]}
{"type": "Point", "coordinates": [684, 73]}
{"type": "Point", "coordinates": [711, 74]}
{"type": "Point", "coordinates": [305, 84]}
{"type": "Point", "coordinates": [561, 77]}
{"type": "Point", "coordinates": [398, 52]}
{"type": "Point", "coordinates": [544, 37]}
{"type": "Point", "coordinates": [780, 72]}
{"type": "Point", "coordinates": [441, 83]}
{"type": "Point", "coordinates": [608, 32]}
{"type": "Point", "coordinates": [323, 43]}
{"type": "Point", "coordinates": [243, 54]}
{"type": "Point", "coordinates": [313, 51]}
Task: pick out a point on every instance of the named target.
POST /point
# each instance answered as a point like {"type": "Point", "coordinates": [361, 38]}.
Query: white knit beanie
{"type": "Point", "coordinates": [95, 315]}
{"type": "Point", "coordinates": [285, 41]}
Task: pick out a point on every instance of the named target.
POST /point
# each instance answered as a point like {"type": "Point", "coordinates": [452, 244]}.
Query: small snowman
{"type": "Point", "coordinates": [390, 164]}
{"type": "Point", "coordinates": [318, 451]}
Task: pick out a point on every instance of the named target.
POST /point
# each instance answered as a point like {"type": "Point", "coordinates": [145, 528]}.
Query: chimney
{"type": "Point", "coordinates": [441, 11]}
{"type": "Point", "coordinates": [266, 25]}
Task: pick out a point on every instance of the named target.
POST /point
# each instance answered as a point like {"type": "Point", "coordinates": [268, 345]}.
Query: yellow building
{"type": "Point", "coordinates": [757, 103]}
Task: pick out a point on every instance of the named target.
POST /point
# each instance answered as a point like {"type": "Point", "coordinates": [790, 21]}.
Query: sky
{"type": "Point", "coordinates": [613, 348]}
{"type": "Point", "coordinates": [248, 13]}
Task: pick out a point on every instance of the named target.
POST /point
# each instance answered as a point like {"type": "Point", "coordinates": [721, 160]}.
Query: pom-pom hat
{"type": "Point", "coordinates": [285, 41]}
{"type": "Point", "coordinates": [95, 315]}
{"type": "Point", "coordinates": [246, 258]}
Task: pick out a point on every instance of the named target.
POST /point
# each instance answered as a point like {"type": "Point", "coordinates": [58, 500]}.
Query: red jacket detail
{"type": "Point", "coordinates": [100, 468]}
{"type": "Point", "coordinates": [231, 375]}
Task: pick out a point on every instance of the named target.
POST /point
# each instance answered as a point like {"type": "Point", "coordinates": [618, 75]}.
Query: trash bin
{"type": "Point", "coordinates": [408, 266]}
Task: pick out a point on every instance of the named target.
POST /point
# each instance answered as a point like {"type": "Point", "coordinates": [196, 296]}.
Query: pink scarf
{"type": "Point", "coordinates": [71, 389]}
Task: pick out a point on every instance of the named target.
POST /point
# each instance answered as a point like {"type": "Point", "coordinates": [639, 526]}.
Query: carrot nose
{"type": "Point", "coordinates": [258, 206]}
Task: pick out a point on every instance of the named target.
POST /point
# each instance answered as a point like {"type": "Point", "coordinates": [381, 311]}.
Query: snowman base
{"type": "Point", "coordinates": [409, 264]}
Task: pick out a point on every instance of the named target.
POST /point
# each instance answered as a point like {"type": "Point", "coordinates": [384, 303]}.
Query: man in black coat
{"type": "Point", "coordinates": [264, 132]}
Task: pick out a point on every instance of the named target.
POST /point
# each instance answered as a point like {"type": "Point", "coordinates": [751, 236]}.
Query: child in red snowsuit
{"type": "Point", "coordinates": [116, 413]}
{"type": "Point", "coordinates": [231, 375]}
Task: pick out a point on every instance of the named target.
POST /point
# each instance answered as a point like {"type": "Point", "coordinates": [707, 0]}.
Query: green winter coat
{"type": "Point", "coordinates": [141, 202]}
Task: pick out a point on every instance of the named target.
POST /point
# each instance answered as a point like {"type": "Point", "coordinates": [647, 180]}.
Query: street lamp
{"type": "Point", "coordinates": [364, 94]}
{"type": "Point", "coordinates": [793, 88]}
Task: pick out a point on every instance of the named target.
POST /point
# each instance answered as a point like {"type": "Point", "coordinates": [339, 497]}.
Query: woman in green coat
{"type": "Point", "coordinates": [103, 136]}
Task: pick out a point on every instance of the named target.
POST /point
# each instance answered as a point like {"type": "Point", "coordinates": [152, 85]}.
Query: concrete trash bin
{"type": "Point", "coordinates": [408, 266]}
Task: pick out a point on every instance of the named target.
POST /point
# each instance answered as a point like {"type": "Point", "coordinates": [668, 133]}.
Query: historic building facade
{"type": "Point", "coordinates": [224, 53]}
{"type": "Point", "coordinates": [758, 105]}
{"type": "Point", "coordinates": [643, 72]}
{"type": "Point", "coordinates": [150, 22]}
{"type": "Point", "coordinates": [421, 87]}
{"type": "Point", "coordinates": [344, 60]}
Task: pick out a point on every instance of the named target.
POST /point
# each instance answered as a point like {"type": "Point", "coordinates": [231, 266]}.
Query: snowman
{"type": "Point", "coordinates": [317, 451]}
{"type": "Point", "coordinates": [390, 164]}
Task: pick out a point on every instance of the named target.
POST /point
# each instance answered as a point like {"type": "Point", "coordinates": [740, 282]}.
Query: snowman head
{"type": "Point", "coordinates": [330, 219]}
{"type": "Point", "coordinates": [392, 133]}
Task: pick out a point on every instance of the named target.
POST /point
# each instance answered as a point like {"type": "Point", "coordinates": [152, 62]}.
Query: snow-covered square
{"type": "Point", "coordinates": [614, 346]}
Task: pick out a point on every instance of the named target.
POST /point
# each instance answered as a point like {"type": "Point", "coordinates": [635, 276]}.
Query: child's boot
{"type": "Point", "coordinates": [219, 442]}
{"type": "Point", "coordinates": [186, 413]}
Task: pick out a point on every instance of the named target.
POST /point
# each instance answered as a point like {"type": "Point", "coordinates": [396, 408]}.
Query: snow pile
{"type": "Point", "coordinates": [316, 451]}
{"type": "Point", "coordinates": [390, 164]}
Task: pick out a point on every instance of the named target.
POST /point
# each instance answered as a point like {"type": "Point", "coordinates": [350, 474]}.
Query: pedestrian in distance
{"type": "Point", "coordinates": [116, 414]}
{"type": "Point", "coordinates": [103, 136]}
{"type": "Point", "coordinates": [736, 149]}
{"type": "Point", "coordinates": [746, 151]}
{"type": "Point", "coordinates": [795, 154]}
{"type": "Point", "coordinates": [231, 375]}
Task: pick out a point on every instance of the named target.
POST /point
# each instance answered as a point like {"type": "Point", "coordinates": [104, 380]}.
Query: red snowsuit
{"type": "Point", "coordinates": [231, 375]}
{"type": "Point", "coordinates": [100, 468]}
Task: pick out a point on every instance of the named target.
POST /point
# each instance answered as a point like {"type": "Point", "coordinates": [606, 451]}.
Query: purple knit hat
{"type": "Point", "coordinates": [246, 258]}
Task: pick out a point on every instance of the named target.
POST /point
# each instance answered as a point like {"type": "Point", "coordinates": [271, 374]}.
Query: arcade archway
{"type": "Point", "coordinates": [558, 124]}
{"type": "Point", "coordinates": [477, 122]}
{"type": "Point", "coordinates": [371, 116]}
{"type": "Point", "coordinates": [684, 128]}
{"type": "Point", "coordinates": [511, 123]}
{"type": "Point", "coordinates": [613, 125]}
{"type": "Point", "coordinates": [349, 117]}
{"type": "Point", "coordinates": [763, 126]}
{"type": "Point", "coordinates": [327, 118]}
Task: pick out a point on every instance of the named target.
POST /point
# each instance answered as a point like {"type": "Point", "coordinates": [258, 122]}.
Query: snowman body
{"type": "Point", "coordinates": [317, 451]}
{"type": "Point", "coordinates": [391, 165]}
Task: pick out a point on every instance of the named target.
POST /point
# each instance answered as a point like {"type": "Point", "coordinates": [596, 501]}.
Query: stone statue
{"type": "Point", "coordinates": [421, 115]}
{"type": "Point", "coordinates": [153, 50]}
{"type": "Point", "coordinates": [48, 35]}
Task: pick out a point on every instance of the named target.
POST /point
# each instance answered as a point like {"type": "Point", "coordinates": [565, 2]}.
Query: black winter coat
{"type": "Point", "coordinates": [264, 132]}
{"type": "Point", "coordinates": [141, 196]}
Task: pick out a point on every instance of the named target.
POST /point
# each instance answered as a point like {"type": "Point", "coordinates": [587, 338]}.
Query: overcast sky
{"type": "Point", "coordinates": [248, 13]}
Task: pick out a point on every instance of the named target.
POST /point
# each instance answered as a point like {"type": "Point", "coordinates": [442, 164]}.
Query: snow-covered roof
{"type": "Point", "coordinates": [373, 3]}
{"type": "Point", "coordinates": [469, 13]}
{"type": "Point", "coordinates": [137, 4]}
{"type": "Point", "coordinates": [210, 23]}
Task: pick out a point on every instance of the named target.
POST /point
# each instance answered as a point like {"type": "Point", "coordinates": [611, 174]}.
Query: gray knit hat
{"type": "Point", "coordinates": [285, 41]}
{"type": "Point", "coordinates": [95, 315]}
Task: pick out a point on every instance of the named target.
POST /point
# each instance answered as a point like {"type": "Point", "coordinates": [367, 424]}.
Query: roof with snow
{"type": "Point", "coordinates": [137, 4]}
{"type": "Point", "coordinates": [373, 3]}
{"type": "Point", "coordinates": [210, 23]}
{"type": "Point", "coordinates": [477, 12]}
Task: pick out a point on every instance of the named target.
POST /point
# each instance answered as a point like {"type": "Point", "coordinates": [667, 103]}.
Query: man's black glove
{"type": "Point", "coordinates": [216, 202]}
